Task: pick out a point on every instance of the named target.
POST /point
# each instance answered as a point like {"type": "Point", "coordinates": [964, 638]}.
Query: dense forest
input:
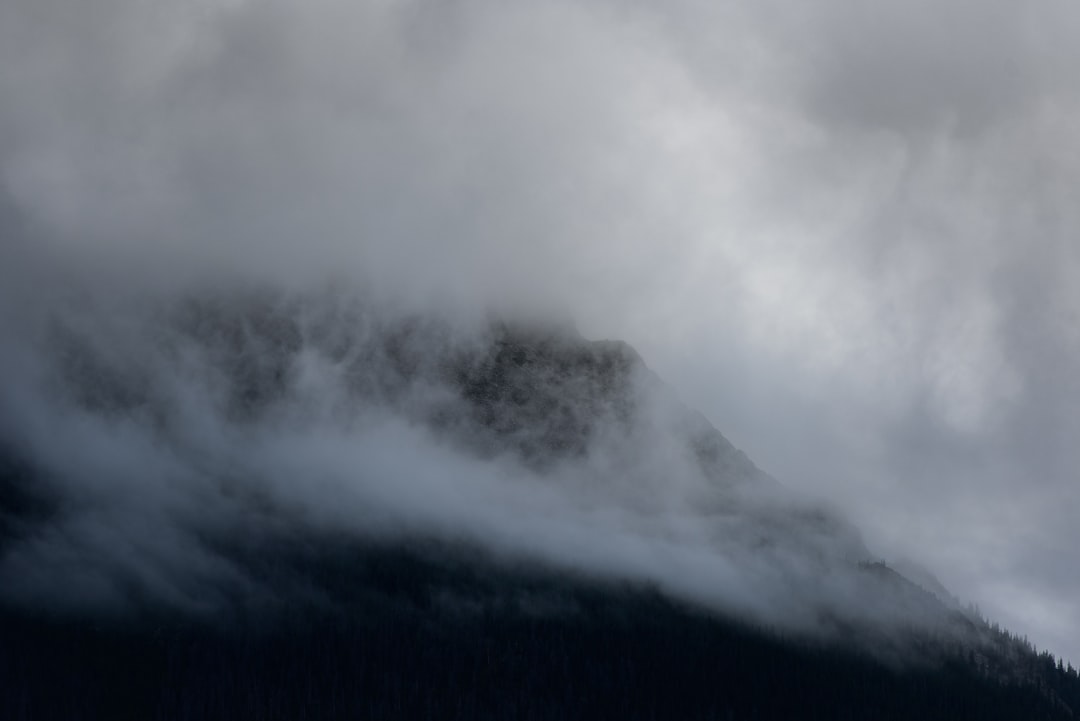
{"type": "Point", "coordinates": [172, 572]}
{"type": "Point", "coordinates": [421, 631]}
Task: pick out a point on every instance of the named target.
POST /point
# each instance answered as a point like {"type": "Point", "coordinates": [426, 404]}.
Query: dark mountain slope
{"type": "Point", "coordinates": [421, 631]}
{"type": "Point", "coordinates": [507, 521]}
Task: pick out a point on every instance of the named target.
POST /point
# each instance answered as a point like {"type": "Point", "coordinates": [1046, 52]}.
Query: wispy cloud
{"type": "Point", "coordinates": [847, 235]}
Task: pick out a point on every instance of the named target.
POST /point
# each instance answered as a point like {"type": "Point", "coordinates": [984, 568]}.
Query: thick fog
{"type": "Point", "coordinates": [152, 422]}
{"type": "Point", "coordinates": [844, 234]}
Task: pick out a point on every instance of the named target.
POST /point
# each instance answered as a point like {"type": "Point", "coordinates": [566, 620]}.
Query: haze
{"type": "Point", "coordinates": [844, 234]}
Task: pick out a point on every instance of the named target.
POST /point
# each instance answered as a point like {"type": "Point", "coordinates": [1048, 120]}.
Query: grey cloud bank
{"type": "Point", "coordinates": [156, 427]}
{"type": "Point", "coordinates": [847, 234]}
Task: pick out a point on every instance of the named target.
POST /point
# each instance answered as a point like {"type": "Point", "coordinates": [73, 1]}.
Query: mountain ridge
{"type": "Point", "coordinates": [249, 458]}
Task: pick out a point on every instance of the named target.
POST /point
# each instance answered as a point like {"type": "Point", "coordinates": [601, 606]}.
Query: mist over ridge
{"type": "Point", "coordinates": [845, 236]}
{"type": "Point", "coordinates": [245, 410]}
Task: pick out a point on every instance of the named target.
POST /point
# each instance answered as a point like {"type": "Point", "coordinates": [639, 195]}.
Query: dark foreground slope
{"type": "Point", "coordinates": [418, 632]}
{"type": "Point", "coordinates": [268, 506]}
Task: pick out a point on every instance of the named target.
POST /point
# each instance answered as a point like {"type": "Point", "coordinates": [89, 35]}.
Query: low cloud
{"type": "Point", "coordinates": [847, 236]}
{"type": "Point", "coordinates": [148, 428]}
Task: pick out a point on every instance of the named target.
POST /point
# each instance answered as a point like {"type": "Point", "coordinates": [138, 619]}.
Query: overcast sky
{"type": "Point", "coordinates": [848, 233]}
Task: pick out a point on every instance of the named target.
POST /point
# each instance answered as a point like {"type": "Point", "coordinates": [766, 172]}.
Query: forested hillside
{"type": "Point", "coordinates": [260, 505]}
{"type": "Point", "coordinates": [429, 633]}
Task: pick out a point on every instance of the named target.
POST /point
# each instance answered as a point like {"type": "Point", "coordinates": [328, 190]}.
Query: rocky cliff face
{"type": "Point", "coordinates": [263, 410]}
{"type": "Point", "coordinates": [542, 393]}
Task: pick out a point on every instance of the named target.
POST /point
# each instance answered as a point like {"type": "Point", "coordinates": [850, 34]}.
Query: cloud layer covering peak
{"type": "Point", "coordinates": [847, 234]}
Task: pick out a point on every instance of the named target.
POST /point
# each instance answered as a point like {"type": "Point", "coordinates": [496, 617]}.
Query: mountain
{"type": "Point", "coordinates": [270, 504]}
